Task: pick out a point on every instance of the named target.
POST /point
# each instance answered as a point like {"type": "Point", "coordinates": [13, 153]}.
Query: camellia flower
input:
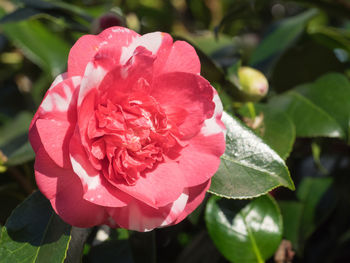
{"type": "Point", "coordinates": [130, 135]}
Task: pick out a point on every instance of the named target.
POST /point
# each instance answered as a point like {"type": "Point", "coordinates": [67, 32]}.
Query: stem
{"type": "Point", "coordinates": [251, 109]}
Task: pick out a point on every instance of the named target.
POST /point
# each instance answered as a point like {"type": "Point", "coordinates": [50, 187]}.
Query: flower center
{"type": "Point", "coordinates": [129, 137]}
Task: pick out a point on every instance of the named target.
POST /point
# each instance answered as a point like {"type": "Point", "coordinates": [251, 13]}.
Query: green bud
{"type": "Point", "coordinates": [253, 84]}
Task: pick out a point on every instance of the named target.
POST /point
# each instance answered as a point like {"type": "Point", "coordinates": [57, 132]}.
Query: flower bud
{"type": "Point", "coordinates": [107, 20]}
{"type": "Point", "coordinates": [253, 84]}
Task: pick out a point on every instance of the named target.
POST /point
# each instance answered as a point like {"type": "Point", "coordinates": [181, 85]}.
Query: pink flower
{"type": "Point", "coordinates": [130, 135]}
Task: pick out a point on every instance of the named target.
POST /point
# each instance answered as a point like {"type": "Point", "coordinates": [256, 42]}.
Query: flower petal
{"type": "Point", "coordinates": [87, 46]}
{"type": "Point", "coordinates": [55, 136]}
{"type": "Point", "coordinates": [96, 189]}
{"type": "Point", "coordinates": [190, 92]}
{"type": "Point", "coordinates": [140, 217]}
{"type": "Point", "coordinates": [196, 195]}
{"type": "Point", "coordinates": [65, 192]}
{"type": "Point", "coordinates": [159, 187]}
{"type": "Point", "coordinates": [182, 58]}
{"type": "Point", "coordinates": [59, 105]}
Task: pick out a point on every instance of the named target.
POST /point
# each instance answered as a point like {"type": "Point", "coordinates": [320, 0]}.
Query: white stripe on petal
{"type": "Point", "coordinates": [60, 101]}
{"type": "Point", "coordinates": [177, 208]}
{"type": "Point", "coordinates": [151, 41]}
{"type": "Point", "coordinates": [92, 78]}
{"type": "Point", "coordinates": [92, 181]}
{"type": "Point", "coordinates": [58, 79]}
{"type": "Point", "coordinates": [211, 125]}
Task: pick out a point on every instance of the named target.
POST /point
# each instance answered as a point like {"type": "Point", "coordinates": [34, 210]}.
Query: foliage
{"type": "Point", "coordinates": [297, 137]}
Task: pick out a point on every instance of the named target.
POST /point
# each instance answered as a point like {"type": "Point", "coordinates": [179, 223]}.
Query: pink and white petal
{"type": "Point", "coordinates": [54, 138]}
{"type": "Point", "coordinates": [65, 192]}
{"type": "Point", "coordinates": [58, 104]}
{"type": "Point", "coordinates": [214, 125]}
{"type": "Point", "coordinates": [196, 195]}
{"type": "Point", "coordinates": [190, 92]}
{"type": "Point", "coordinates": [59, 79]}
{"type": "Point", "coordinates": [94, 74]}
{"type": "Point", "coordinates": [182, 58]}
{"type": "Point", "coordinates": [133, 77]}
{"type": "Point", "coordinates": [95, 187]}
{"type": "Point", "coordinates": [208, 145]}
{"type": "Point", "coordinates": [87, 46]}
{"type": "Point", "coordinates": [60, 100]}
{"type": "Point", "coordinates": [151, 41]}
{"type": "Point", "coordinates": [158, 187]}
{"type": "Point", "coordinates": [200, 159]}
{"type": "Point", "coordinates": [140, 217]}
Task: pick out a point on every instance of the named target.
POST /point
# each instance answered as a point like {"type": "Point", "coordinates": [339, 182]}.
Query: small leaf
{"type": "Point", "coordinates": [281, 37]}
{"type": "Point", "coordinates": [34, 233]}
{"type": "Point", "coordinates": [249, 167]}
{"type": "Point", "coordinates": [274, 127]}
{"type": "Point", "coordinates": [249, 233]}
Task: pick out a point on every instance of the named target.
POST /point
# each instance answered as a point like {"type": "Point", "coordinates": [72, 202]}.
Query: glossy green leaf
{"type": "Point", "coordinates": [321, 108]}
{"type": "Point", "coordinates": [273, 126]}
{"type": "Point", "coordinates": [34, 233]}
{"type": "Point", "coordinates": [249, 167]}
{"type": "Point", "coordinates": [39, 44]}
{"type": "Point", "coordinates": [251, 233]}
{"type": "Point", "coordinates": [281, 36]}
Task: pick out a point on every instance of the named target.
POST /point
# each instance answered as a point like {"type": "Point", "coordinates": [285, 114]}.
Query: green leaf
{"type": "Point", "coordinates": [249, 167]}
{"type": "Point", "coordinates": [310, 192]}
{"type": "Point", "coordinates": [13, 139]}
{"type": "Point", "coordinates": [281, 37]}
{"type": "Point", "coordinates": [273, 126]}
{"type": "Point", "coordinates": [245, 234]}
{"type": "Point", "coordinates": [292, 213]}
{"type": "Point", "coordinates": [302, 217]}
{"type": "Point", "coordinates": [23, 154]}
{"type": "Point", "coordinates": [40, 45]}
{"type": "Point", "coordinates": [331, 37]}
{"type": "Point", "coordinates": [321, 108]}
{"type": "Point", "coordinates": [34, 233]}
{"type": "Point", "coordinates": [15, 128]}
{"type": "Point", "coordinates": [331, 93]}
